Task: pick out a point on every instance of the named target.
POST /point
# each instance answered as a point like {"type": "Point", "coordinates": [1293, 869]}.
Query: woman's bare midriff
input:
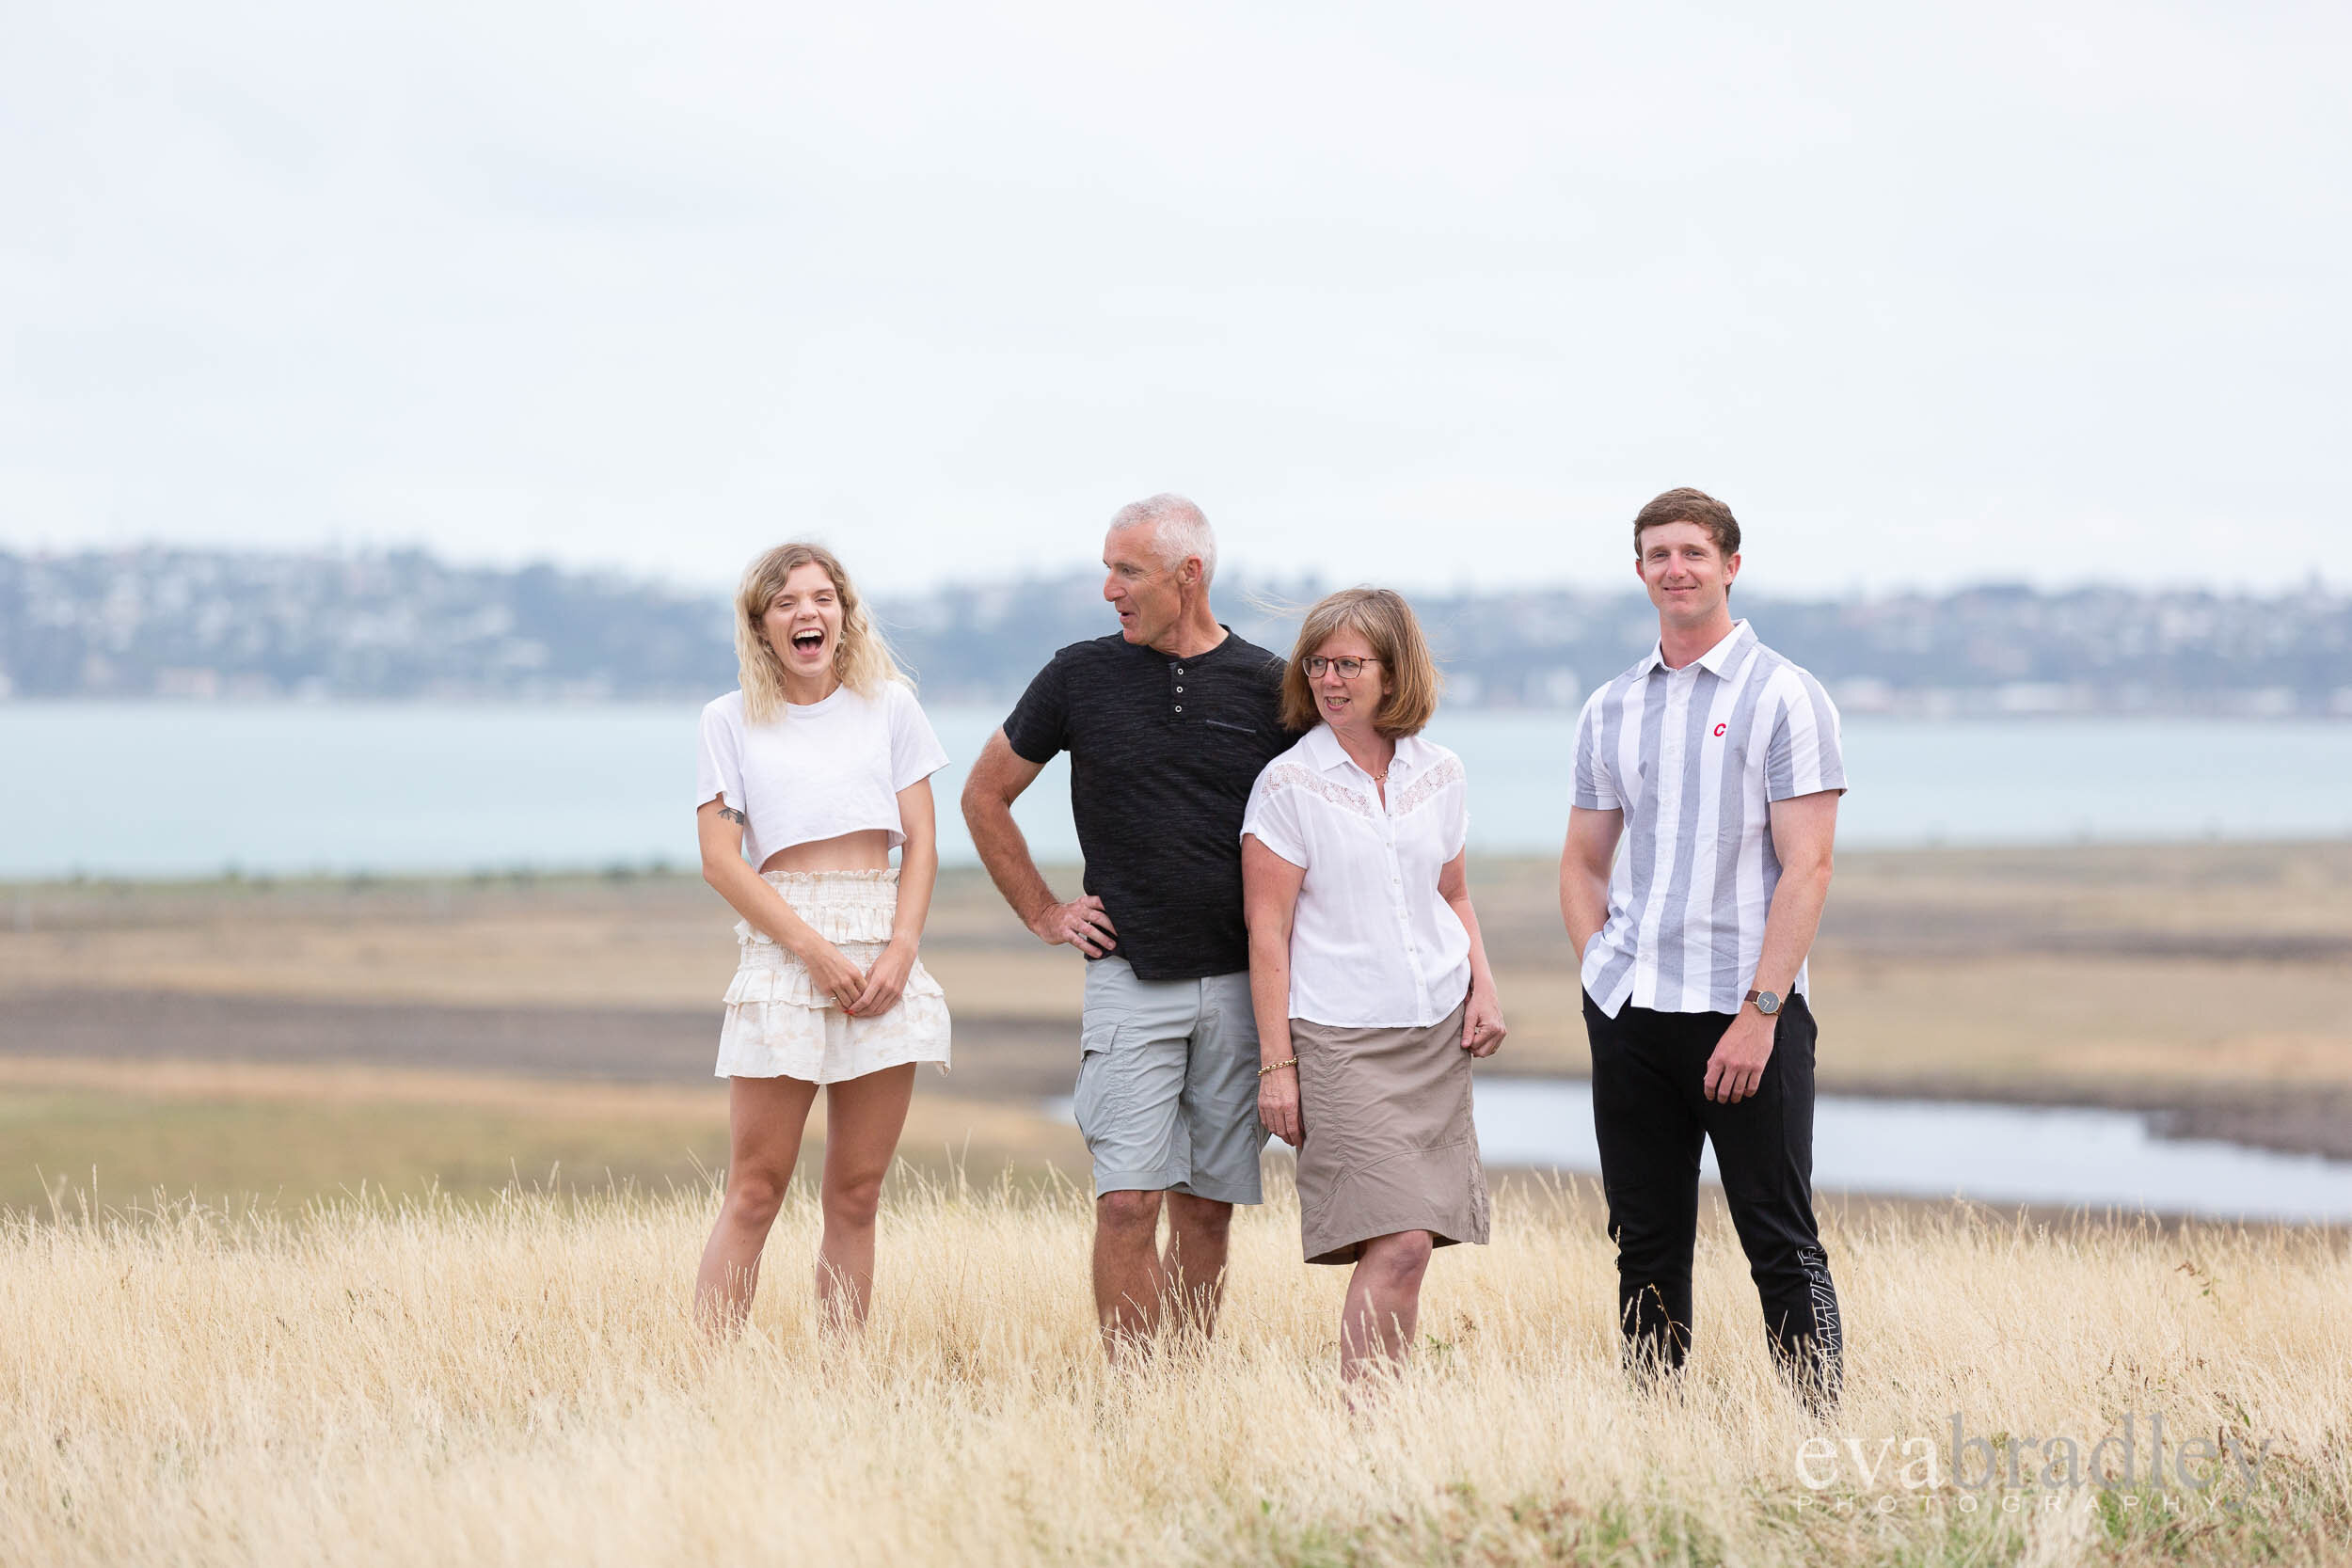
{"type": "Point", "coordinates": [867, 849]}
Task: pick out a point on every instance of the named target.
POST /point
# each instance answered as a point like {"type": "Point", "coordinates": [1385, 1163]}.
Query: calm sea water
{"type": "Point", "coordinates": [186, 790]}
{"type": "Point", "coordinates": [2000, 1154]}
{"type": "Point", "coordinates": [2074, 1156]}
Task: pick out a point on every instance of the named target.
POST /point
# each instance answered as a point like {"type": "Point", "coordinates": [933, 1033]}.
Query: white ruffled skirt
{"type": "Point", "coordinates": [780, 1025]}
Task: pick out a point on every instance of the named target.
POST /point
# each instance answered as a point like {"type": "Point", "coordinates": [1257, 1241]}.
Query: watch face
{"type": "Point", "coordinates": [1766, 1004]}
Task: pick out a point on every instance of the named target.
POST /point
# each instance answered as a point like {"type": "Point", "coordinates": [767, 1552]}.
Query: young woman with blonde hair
{"type": "Point", "coordinates": [816, 769]}
{"type": "Point", "coordinates": [1367, 972]}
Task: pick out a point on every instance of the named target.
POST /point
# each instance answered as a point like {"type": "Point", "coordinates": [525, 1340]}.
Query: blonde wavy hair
{"type": "Point", "coordinates": [861, 660]}
{"type": "Point", "coordinates": [1386, 622]}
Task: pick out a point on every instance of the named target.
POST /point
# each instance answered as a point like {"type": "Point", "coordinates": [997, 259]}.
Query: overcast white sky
{"type": "Point", "coordinates": [1431, 293]}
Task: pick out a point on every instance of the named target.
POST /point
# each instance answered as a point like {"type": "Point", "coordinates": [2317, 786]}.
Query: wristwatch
{"type": "Point", "coordinates": [1767, 1003]}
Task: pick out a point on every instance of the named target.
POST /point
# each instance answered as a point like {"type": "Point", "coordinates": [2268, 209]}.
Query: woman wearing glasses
{"type": "Point", "coordinates": [1371, 984]}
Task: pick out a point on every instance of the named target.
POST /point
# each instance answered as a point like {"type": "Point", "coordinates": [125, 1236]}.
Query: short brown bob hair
{"type": "Point", "coordinates": [1386, 623]}
{"type": "Point", "coordinates": [1687, 505]}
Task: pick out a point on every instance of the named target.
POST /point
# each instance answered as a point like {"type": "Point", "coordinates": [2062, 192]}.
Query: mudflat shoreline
{"type": "Point", "coordinates": [2209, 986]}
{"type": "Point", "coordinates": [997, 1058]}
{"type": "Point", "coordinates": [1015, 1060]}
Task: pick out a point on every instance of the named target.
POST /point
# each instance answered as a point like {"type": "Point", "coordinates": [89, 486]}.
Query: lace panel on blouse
{"type": "Point", "coordinates": [1414, 795]}
{"type": "Point", "coordinates": [1289, 775]}
{"type": "Point", "coordinates": [1423, 789]}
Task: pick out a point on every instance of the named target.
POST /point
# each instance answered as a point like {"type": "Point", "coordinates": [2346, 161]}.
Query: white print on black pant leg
{"type": "Point", "coordinates": [1827, 1332]}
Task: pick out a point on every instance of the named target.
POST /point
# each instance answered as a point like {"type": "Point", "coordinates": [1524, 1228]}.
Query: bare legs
{"type": "Point", "coordinates": [1128, 1284]}
{"type": "Point", "coordinates": [863, 1119]}
{"type": "Point", "coordinates": [1133, 1280]}
{"type": "Point", "coordinates": [1383, 1310]}
{"type": "Point", "coordinates": [764, 1119]}
{"type": "Point", "coordinates": [1197, 1229]}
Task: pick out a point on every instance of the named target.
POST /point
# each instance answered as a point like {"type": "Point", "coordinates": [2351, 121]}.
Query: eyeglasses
{"type": "Point", "coordinates": [1348, 668]}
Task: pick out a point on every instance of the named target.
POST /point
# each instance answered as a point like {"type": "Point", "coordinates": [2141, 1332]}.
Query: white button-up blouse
{"type": "Point", "coordinates": [1373, 946]}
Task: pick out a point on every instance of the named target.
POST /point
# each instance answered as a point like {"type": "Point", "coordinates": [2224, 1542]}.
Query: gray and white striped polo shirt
{"type": "Point", "coordinates": [1694, 757]}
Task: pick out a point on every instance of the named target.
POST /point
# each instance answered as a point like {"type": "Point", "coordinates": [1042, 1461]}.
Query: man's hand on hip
{"type": "Point", "coordinates": [1736, 1066]}
{"type": "Point", "coordinates": [1082, 923]}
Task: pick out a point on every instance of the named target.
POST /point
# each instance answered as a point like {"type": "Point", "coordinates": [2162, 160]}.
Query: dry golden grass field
{"type": "Point", "coordinates": [518, 1383]}
{"type": "Point", "coordinates": [351, 1223]}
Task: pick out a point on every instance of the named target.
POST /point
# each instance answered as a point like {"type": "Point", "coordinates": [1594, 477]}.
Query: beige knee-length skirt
{"type": "Point", "coordinates": [1389, 1144]}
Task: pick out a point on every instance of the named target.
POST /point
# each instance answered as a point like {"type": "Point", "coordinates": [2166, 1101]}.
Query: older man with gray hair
{"type": "Point", "coordinates": [1167, 722]}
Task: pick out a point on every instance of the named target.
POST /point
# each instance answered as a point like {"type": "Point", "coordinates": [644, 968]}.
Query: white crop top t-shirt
{"type": "Point", "coordinates": [820, 770]}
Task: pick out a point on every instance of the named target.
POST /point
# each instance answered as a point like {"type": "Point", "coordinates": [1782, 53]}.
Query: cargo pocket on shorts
{"type": "Point", "coordinates": [1096, 1041]}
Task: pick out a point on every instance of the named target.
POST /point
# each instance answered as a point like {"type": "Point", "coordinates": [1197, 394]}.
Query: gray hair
{"type": "Point", "coordinates": [1179, 530]}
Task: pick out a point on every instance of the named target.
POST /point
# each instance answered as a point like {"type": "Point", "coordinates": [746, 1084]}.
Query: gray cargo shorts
{"type": "Point", "coordinates": [1168, 1084]}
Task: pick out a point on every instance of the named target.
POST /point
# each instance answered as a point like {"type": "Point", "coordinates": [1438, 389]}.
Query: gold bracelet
{"type": "Point", "coordinates": [1277, 1066]}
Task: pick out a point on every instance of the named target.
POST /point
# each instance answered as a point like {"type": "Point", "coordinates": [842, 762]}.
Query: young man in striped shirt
{"type": "Point", "coordinates": [1717, 762]}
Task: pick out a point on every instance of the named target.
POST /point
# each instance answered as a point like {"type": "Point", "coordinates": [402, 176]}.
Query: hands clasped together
{"type": "Point", "coordinates": [860, 993]}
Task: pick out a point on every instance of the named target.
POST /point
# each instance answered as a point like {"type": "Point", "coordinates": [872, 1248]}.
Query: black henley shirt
{"type": "Point", "coordinates": [1163, 752]}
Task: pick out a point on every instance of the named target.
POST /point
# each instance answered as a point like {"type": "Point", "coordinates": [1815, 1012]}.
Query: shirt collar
{"type": "Point", "coordinates": [1225, 645]}
{"type": "Point", "coordinates": [1714, 661]}
{"type": "Point", "coordinates": [1325, 751]}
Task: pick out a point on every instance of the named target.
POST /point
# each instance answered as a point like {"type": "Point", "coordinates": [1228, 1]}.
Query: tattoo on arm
{"type": "Point", "coordinates": [729, 814]}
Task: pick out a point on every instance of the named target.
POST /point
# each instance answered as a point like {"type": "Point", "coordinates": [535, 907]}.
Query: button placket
{"type": "Point", "coordinates": [1396, 881]}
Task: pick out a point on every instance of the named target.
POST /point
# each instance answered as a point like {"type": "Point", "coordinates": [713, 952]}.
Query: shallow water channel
{"type": "Point", "coordinates": [2070, 1155]}
{"type": "Point", "coordinates": [2067, 1156]}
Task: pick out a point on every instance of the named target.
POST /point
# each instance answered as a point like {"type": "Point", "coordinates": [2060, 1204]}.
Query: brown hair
{"type": "Point", "coordinates": [1386, 623]}
{"type": "Point", "coordinates": [861, 660]}
{"type": "Point", "coordinates": [1687, 505]}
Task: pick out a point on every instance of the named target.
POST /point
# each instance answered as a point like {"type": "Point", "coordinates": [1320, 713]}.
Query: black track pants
{"type": "Point", "coordinates": [1650, 1110]}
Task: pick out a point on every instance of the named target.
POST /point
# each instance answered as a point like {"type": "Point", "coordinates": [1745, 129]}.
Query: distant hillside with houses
{"type": "Point", "coordinates": [197, 624]}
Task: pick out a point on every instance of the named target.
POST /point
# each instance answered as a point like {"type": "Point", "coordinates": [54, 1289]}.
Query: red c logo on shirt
{"type": "Point", "coordinates": [1720, 729]}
